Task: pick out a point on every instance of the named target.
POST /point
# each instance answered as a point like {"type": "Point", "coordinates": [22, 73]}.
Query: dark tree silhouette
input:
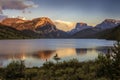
{"type": "Point", "coordinates": [109, 64]}
{"type": "Point", "coordinates": [14, 70]}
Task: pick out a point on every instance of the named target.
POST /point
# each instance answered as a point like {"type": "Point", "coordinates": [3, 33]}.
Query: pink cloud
{"type": "Point", "coordinates": [15, 4]}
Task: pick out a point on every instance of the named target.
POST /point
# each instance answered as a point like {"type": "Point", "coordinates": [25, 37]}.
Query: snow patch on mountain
{"type": "Point", "coordinates": [108, 23]}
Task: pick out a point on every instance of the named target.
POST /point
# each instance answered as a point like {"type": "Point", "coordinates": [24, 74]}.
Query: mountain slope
{"type": "Point", "coordinates": [7, 32]}
{"type": "Point", "coordinates": [45, 28]}
{"type": "Point", "coordinates": [102, 30]}
{"type": "Point", "coordinates": [112, 34]}
{"type": "Point", "coordinates": [107, 24]}
{"type": "Point", "coordinates": [37, 27]}
{"type": "Point", "coordinates": [21, 24]}
{"type": "Point", "coordinates": [79, 27]}
{"type": "Point", "coordinates": [86, 33]}
{"type": "Point", "coordinates": [12, 22]}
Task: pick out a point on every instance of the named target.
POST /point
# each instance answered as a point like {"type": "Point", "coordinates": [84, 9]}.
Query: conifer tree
{"type": "Point", "coordinates": [109, 64]}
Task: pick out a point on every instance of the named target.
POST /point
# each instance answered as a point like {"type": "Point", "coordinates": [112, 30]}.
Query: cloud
{"type": "Point", "coordinates": [64, 25]}
{"type": "Point", "coordinates": [16, 4]}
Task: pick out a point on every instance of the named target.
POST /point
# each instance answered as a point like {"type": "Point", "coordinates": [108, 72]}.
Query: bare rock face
{"type": "Point", "coordinates": [42, 26]}
{"type": "Point", "coordinates": [79, 27]}
{"type": "Point", "coordinates": [21, 24]}
{"type": "Point", "coordinates": [13, 22]}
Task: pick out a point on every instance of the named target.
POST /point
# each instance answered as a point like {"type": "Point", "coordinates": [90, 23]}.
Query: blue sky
{"type": "Point", "coordinates": [89, 11]}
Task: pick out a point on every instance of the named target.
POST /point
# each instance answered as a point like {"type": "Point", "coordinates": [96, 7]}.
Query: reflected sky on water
{"type": "Point", "coordinates": [36, 52]}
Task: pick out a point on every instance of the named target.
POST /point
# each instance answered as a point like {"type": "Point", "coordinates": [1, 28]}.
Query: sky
{"type": "Point", "coordinates": [88, 11]}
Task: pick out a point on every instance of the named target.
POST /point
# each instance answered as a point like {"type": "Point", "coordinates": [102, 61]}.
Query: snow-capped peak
{"type": "Point", "coordinates": [108, 23]}
{"type": "Point", "coordinates": [112, 21]}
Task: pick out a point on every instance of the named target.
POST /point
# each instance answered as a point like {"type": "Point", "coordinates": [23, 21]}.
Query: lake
{"type": "Point", "coordinates": [35, 52]}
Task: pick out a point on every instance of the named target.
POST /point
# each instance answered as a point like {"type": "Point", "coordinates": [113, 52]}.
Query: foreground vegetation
{"type": "Point", "coordinates": [105, 67]}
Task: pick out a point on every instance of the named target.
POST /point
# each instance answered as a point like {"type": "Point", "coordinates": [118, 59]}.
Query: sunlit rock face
{"type": "Point", "coordinates": [12, 21]}
{"type": "Point", "coordinates": [107, 24]}
{"type": "Point", "coordinates": [44, 24]}
{"type": "Point", "coordinates": [43, 21]}
{"type": "Point", "coordinates": [40, 27]}
{"type": "Point", "coordinates": [22, 24]}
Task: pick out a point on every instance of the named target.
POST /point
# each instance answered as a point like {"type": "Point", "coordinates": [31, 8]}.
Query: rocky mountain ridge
{"type": "Point", "coordinates": [42, 26]}
{"type": "Point", "coordinates": [45, 28]}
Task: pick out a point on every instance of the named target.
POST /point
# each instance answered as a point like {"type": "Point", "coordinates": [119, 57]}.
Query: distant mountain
{"type": "Point", "coordinates": [112, 33]}
{"type": "Point", "coordinates": [86, 33]}
{"type": "Point", "coordinates": [42, 26]}
{"type": "Point", "coordinates": [17, 28]}
{"type": "Point", "coordinates": [79, 27]}
{"type": "Point", "coordinates": [21, 24]}
{"type": "Point", "coordinates": [46, 28]}
{"type": "Point", "coordinates": [107, 24]}
{"type": "Point", "coordinates": [105, 30]}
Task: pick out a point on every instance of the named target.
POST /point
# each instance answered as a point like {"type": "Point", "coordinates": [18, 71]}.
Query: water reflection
{"type": "Point", "coordinates": [44, 55]}
{"type": "Point", "coordinates": [37, 58]}
{"type": "Point", "coordinates": [66, 52]}
{"type": "Point", "coordinates": [36, 52]}
{"type": "Point", "coordinates": [81, 51]}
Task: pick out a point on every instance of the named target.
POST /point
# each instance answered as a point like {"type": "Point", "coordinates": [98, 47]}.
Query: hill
{"type": "Point", "coordinates": [6, 32]}
{"type": "Point", "coordinates": [111, 34]}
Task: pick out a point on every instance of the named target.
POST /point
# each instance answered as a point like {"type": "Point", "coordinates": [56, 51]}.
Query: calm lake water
{"type": "Point", "coordinates": [36, 52]}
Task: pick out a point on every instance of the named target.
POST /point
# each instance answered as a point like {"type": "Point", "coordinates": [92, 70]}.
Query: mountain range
{"type": "Point", "coordinates": [99, 30]}
{"type": "Point", "coordinates": [44, 27]}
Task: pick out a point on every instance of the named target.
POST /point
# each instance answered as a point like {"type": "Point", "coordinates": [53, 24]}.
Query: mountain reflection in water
{"type": "Point", "coordinates": [43, 55]}
{"type": "Point", "coordinates": [35, 52]}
